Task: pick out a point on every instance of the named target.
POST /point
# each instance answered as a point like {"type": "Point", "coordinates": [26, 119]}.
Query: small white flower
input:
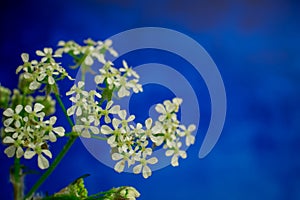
{"type": "Point", "coordinates": [124, 121]}
{"type": "Point", "coordinates": [15, 147]}
{"type": "Point", "coordinates": [176, 153]}
{"type": "Point", "coordinates": [187, 132]}
{"type": "Point", "coordinates": [128, 70]}
{"type": "Point", "coordinates": [43, 163]}
{"type": "Point", "coordinates": [109, 109]}
{"type": "Point", "coordinates": [151, 132]}
{"type": "Point", "coordinates": [46, 54]}
{"type": "Point", "coordinates": [129, 193]}
{"type": "Point", "coordinates": [122, 158]}
{"type": "Point", "coordinates": [143, 167]}
{"type": "Point", "coordinates": [60, 131]}
{"type": "Point", "coordinates": [107, 46]}
{"type": "Point", "coordinates": [36, 110]}
{"type": "Point", "coordinates": [14, 115]}
{"type": "Point", "coordinates": [86, 127]}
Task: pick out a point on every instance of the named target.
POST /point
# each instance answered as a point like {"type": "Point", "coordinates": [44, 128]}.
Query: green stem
{"type": "Point", "coordinates": [17, 180]}
{"type": "Point", "coordinates": [52, 166]}
{"type": "Point", "coordinates": [64, 109]}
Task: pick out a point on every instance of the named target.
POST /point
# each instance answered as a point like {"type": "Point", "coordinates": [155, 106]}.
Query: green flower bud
{"type": "Point", "coordinates": [48, 102]}
{"type": "Point", "coordinates": [24, 84]}
{"type": "Point", "coordinates": [20, 99]}
{"type": "Point", "coordinates": [4, 97]}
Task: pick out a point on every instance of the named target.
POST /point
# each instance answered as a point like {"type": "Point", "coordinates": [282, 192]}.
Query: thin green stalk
{"type": "Point", "coordinates": [52, 166]}
{"type": "Point", "coordinates": [64, 109]}
{"type": "Point", "coordinates": [17, 180]}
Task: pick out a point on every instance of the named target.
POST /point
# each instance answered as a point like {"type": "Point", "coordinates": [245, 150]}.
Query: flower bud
{"type": "Point", "coordinates": [4, 97]}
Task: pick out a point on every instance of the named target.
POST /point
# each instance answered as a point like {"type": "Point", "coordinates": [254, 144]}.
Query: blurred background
{"type": "Point", "coordinates": [254, 43]}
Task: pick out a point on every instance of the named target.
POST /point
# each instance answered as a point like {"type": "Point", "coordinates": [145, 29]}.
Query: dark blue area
{"type": "Point", "coordinates": [255, 45]}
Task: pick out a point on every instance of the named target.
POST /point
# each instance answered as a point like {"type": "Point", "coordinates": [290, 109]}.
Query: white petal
{"type": "Point", "coordinates": [8, 121]}
{"type": "Point", "coordinates": [8, 140]}
{"type": "Point", "coordinates": [169, 152]}
{"type": "Point", "coordinates": [47, 153]}
{"type": "Point", "coordinates": [79, 111]}
{"type": "Point", "coordinates": [19, 108]}
{"type": "Point", "coordinates": [59, 131]}
{"type": "Point", "coordinates": [28, 109]}
{"type": "Point", "coordinates": [146, 172]}
{"type": "Point", "coordinates": [106, 129]}
{"type": "Point", "coordinates": [85, 133]}
{"type": "Point", "coordinates": [10, 151]}
{"type": "Point", "coordinates": [43, 162]}
{"type": "Point", "coordinates": [99, 79]}
{"type": "Point", "coordinates": [52, 137]}
{"type": "Point", "coordinates": [40, 53]}
{"type": "Point", "coordinates": [34, 85]}
{"type": "Point", "coordinates": [94, 129]}
{"type": "Point", "coordinates": [25, 57]}
{"type": "Point", "coordinates": [53, 120]}
{"type": "Point", "coordinates": [88, 60]}
{"type": "Point", "coordinates": [20, 152]}
{"type": "Point", "coordinates": [137, 169]}
{"type": "Point", "coordinates": [122, 114]}
{"type": "Point", "coordinates": [174, 161]}
{"type": "Point", "coordinates": [80, 84]}
{"type": "Point", "coordinates": [71, 111]}
{"type": "Point", "coordinates": [160, 108]}
{"type": "Point", "coordinates": [8, 112]}
{"type": "Point", "coordinates": [38, 107]}
{"type": "Point", "coordinates": [29, 154]}
{"type": "Point", "coordinates": [41, 76]}
{"type": "Point", "coordinates": [51, 80]}
{"type": "Point", "coordinates": [116, 156]}
{"type": "Point", "coordinates": [148, 123]}
{"type": "Point", "coordinates": [119, 167]}
{"type": "Point", "coordinates": [115, 109]}
{"type": "Point", "coordinates": [153, 160]}
{"type": "Point", "coordinates": [9, 129]}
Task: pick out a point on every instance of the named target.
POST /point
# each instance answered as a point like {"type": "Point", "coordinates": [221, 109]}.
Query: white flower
{"type": "Point", "coordinates": [176, 153]}
{"type": "Point", "coordinates": [14, 148]}
{"type": "Point", "coordinates": [36, 110]}
{"type": "Point", "coordinates": [143, 167]}
{"type": "Point", "coordinates": [109, 109]}
{"type": "Point", "coordinates": [60, 131]}
{"type": "Point", "coordinates": [123, 86]}
{"type": "Point", "coordinates": [109, 74]}
{"type": "Point", "coordinates": [86, 127]}
{"type": "Point", "coordinates": [47, 54]}
{"type": "Point", "coordinates": [124, 122]}
{"type": "Point", "coordinates": [123, 158]}
{"type": "Point", "coordinates": [187, 132]}
{"type": "Point", "coordinates": [43, 163]}
{"type": "Point", "coordinates": [151, 132]}
{"type": "Point", "coordinates": [166, 110]}
{"type": "Point", "coordinates": [107, 46]}
{"type": "Point", "coordinates": [77, 89]}
{"type": "Point", "coordinates": [116, 133]}
{"type": "Point", "coordinates": [129, 193]}
{"type": "Point", "coordinates": [128, 70]}
{"type": "Point", "coordinates": [14, 115]}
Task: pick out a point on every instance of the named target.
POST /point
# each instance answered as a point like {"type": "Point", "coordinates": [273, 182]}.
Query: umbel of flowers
{"type": "Point", "coordinates": [29, 121]}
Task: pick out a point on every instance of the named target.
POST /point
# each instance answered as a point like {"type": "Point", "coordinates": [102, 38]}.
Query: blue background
{"type": "Point", "coordinates": [255, 45]}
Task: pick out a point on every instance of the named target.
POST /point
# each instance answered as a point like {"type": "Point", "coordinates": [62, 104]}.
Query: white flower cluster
{"type": "Point", "coordinates": [27, 133]}
{"type": "Point", "coordinates": [121, 80]}
{"type": "Point", "coordinates": [131, 144]}
{"type": "Point", "coordinates": [45, 71]}
{"type": "Point", "coordinates": [86, 54]}
{"type": "Point", "coordinates": [87, 109]}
